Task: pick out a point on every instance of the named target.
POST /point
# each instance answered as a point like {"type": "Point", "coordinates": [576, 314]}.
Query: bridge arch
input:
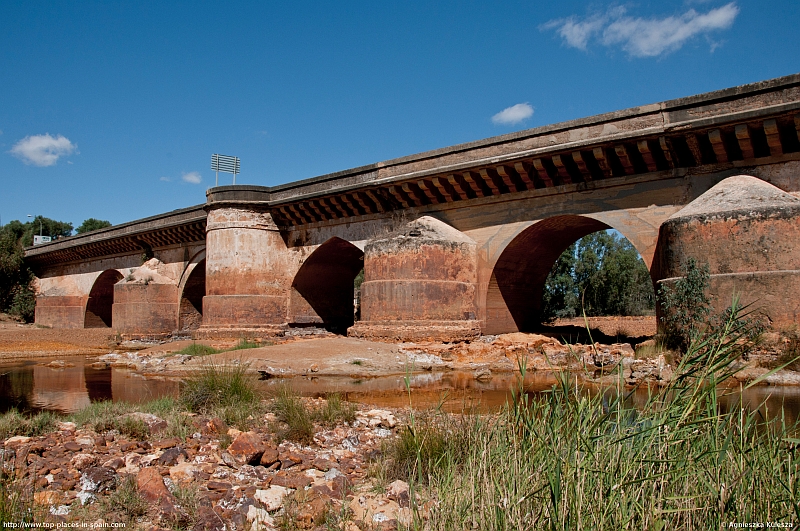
{"type": "Point", "coordinates": [192, 290]}
{"type": "Point", "coordinates": [101, 300]}
{"type": "Point", "coordinates": [516, 286]}
{"type": "Point", "coordinates": [322, 289]}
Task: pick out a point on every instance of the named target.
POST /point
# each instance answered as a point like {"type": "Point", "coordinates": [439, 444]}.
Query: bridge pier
{"type": "Point", "coordinates": [746, 230]}
{"type": "Point", "coordinates": [419, 284]}
{"type": "Point", "coordinates": [248, 272]}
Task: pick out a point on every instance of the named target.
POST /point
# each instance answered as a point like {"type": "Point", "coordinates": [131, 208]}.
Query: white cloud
{"type": "Point", "coordinates": [642, 37]}
{"type": "Point", "coordinates": [514, 114]}
{"type": "Point", "coordinates": [42, 150]}
{"type": "Point", "coordinates": [165, 179]}
{"type": "Point", "coordinates": [192, 177]}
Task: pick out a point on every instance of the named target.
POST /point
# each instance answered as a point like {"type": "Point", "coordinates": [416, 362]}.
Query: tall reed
{"type": "Point", "coordinates": [569, 460]}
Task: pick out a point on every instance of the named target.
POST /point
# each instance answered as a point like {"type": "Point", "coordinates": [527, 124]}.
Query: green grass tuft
{"type": "Point", "coordinates": [198, 349]}
{"type": "Point", "coordinates": [14, 423]}
{"type": "Point", "coordinates": [289, 408]}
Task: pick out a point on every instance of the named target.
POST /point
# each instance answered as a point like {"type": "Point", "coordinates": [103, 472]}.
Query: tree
{"type": "Point", "coordinates": [47, 227]}
{"type": "Point", "coordinates": [601, 274]}
{"type": "Point", "coordinates": [17, 296]}
{"type": "Point", "coordinates": [92, 224]}
{"type": "Point", "coordinates": [16, 293]}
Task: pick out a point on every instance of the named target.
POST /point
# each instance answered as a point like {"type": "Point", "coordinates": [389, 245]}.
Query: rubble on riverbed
{"type": "Point", "coordinates": [241, 480]}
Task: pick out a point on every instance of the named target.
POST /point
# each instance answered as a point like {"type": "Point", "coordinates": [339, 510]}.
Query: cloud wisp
{"type": "Point", "coordinates": [192, 177]}
{"type": "Point", "coordinates": [513, 115]}
{"type": "Point", "coordinates": [43, 150]}
{"type": "Point", "coordinates": [638, 36]}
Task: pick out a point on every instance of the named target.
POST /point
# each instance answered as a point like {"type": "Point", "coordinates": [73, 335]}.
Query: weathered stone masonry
{"type": "Point", "coordinates": [457, 242]}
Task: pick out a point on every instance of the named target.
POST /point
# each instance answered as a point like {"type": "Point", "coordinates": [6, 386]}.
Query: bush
{"type": "Point", "coordinates": [685, 305]}
{"type": "Point", "coordinates": [335, 411]}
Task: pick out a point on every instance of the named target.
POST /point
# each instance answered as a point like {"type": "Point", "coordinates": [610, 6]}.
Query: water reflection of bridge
{"type": "Point", "coordinates": [36, 386]}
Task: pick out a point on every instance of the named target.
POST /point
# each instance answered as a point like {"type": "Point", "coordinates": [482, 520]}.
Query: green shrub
{"type": "Point", "coordinates": [685, 305]}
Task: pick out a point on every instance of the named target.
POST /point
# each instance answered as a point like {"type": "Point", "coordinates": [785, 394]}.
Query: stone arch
{"type": "Point", "coordinates": [515, 290]}
{"type": "Point", "coordinates": [322, 290]}
{"type": "Point", "coordinates": [193, 289]}
{"type": "Point", "coordinates": [101, 300]}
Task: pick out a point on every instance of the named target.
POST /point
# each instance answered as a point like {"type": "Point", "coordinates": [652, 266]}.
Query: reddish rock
{"type": "Point", "coordinates": [172, 456]}
{"type": "Point", "coordinates": [247, 448]}
{"type": "Point", "coordinates": [291, 481]}
{"type": "Point", "coordinates": [166, 443]}
{"type": "Point", "coordinates": [218, 485]}
{"type": "Point", "coordinates": [72, 446]}
{"type": "Point", "coordinates": [152, 488]}
{"type": "Point", "coordinates": [215, 426]}
{"type": "Point", "coordinates": [270, 456]}
{"type": "Point", "coordinates": [208, 520]}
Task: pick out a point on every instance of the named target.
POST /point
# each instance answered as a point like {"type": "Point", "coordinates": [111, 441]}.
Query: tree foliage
{"type": "Point", "coordinates": [92, 224]}
{"type": "Point", "coordinates": [601, 274]}
{"type": "Point", "coordinates": [685, 305]}
{"type": "Point", "coordinates": [17, 296]}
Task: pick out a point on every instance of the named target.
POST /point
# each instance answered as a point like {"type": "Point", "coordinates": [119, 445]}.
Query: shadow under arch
{"type": "Point", "coordinates": [322, 290]}
{"type": "Point", "coordinates": [101, 300]}
{"type": "Point", "coordinates": [190, 310]}
{"type": "Point", "coordinates": [516, 287]}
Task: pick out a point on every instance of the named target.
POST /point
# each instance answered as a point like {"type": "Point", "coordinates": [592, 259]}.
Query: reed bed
{"type": "Point", "coordinates": [568, 460]}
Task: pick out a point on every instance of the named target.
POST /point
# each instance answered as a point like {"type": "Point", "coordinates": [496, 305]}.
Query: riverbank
{"type": "Point", "coordinates": [221, 457]}
{"type": "Point", "coordinates": [322, 354]}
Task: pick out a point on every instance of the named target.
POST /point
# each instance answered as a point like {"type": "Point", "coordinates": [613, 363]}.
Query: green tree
{"type": "Point", "coordinates": [41, 225]}
{"type": "Point", "coordinates": [685, 305]}
{"type": "Point", "coordinates": [92, 224]}
{"type": "Point", "coordinates": [601, 274]}
{"type": "Point", "coordinates": [16, 293]}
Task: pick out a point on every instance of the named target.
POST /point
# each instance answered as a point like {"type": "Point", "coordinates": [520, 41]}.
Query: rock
{"type": "Point", "coordinates": [398, 491]}
{"type": "Point", "coordinates": [270, 456]}
{"type": "Point", "coordinates": [183, 472]}
{"type": "Point", "coordinates": [46, 497]}
{"type": "Point", "coordinates": [377, 417]}
{"type": "Point", "coordinates": [259, 518]}
{"type": "Point", "coordinates": [163, 444]}
{"type": "Point", "coordinates": [215, 426]}
{"type": "Point", "coordinates": [17, 440]}
{"type": "Point", "coordinates": [115, 462]}
{"type": "Point", "coordinates": [247, 448]}
{"type": "Point", "coordinates": [81, 461]}
{"type": "Point", "coordinates": [291, 480]}
{"type": "Point", "coordinates": [153, 422]}
{"type": "Point", "coordinates": [172, 456]}
{"type": "Point", "coordinates": [72, 446]}
{"type": "Point", "coordinates": [483, 375]}
{"type": "Point", "coordinates": [271, 499]}
{"type": "Point", "coordinates": [98, 479]}
{"type": "Point", "coordinates": [311, 508]}
{"type": "Point", "coordinates": [208, 520]}
{"type": "Point", "coordinates": [218, 485]}
{"type": "Point", "coordinates": [66, 426]}
{"type": "Point", "coordinates": [152, 488]}
{"type": "Point", "coordinates": [371, 510]}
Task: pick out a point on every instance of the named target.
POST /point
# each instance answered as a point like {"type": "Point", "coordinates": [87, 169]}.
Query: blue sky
{"type": "Point", "coordinates": [112, 109]}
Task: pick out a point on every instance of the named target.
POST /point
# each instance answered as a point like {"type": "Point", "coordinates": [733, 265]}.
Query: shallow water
{"type": "Point", "coordinates": [30, 386]}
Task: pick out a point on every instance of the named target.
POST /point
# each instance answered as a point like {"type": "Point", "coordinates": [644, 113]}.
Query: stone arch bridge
{"type": "Point", "coordinates": [458, 241]}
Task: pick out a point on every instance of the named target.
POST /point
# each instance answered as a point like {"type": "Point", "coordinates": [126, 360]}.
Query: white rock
{"type": "Point", "coordinates": [17, 439]}
{"type": "Point", "coordinates": [259, 517]}
{"type": "Point", "coordinates": [272, 498]}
